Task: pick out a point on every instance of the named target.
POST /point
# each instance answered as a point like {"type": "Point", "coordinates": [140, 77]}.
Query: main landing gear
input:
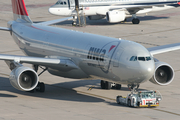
{"type": "Point", "coordinates": [74, 21]}
{"type": "Point", "coordinates": [41, 86]}
{"type": "Point", "coordinates": [108, 85]}
{"type": "Point", "coordinates": [135, 20]}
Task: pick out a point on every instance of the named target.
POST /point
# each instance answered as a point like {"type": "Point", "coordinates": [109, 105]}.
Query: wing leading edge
{"type": "Point", "coordinates": [55, 21]}
{"type": "Point", "coordinates": [48, 62]}
{"type": "Point", "coordinates": [164, 48]}
{"type": "Point", "coordinates": [5, 29]}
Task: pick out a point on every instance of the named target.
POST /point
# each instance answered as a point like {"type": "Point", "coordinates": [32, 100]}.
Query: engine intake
{"type": "Point", "coordinates": [23, 78]}
{"type": "Point", "coordinates": [164, 74]}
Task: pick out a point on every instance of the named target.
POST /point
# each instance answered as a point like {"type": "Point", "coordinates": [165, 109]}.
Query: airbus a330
{"type": "Point", "coordinates": [79, 55]}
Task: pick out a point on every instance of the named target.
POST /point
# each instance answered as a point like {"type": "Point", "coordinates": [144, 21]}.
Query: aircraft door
{"type": "Point", "coordinates": [70, 4]}
{"type": "Point", "coordinates": [116, 57]}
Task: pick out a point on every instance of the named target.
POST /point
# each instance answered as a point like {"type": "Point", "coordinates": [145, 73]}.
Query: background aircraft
{"type": "Point", "coordinates": [114, 10]}
{"type": "Point", "coordinates": [79, 55]}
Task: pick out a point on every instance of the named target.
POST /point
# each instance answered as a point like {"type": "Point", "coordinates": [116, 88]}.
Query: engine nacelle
{"type": "Point", "coordinates": [115, 16]}
{"type": "Point", "coordinates": [23, 78]}
{"type": "Point", "coordinates": [96, 17]}
{"type": "Point", "coordinates": [164, 74]}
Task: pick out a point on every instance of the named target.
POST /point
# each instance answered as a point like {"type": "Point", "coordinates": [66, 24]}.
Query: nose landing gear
{"type": "Point", "coordinates": [133, 87]}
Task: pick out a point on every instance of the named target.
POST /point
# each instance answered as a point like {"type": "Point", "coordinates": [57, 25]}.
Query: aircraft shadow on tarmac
{"type": "Point", "coordinates": [52, 92]}
{"type": "Point", "coordinates": [104, 22]}
{"type": "Point", "coordinates": [60, 91]}
{"type": "Point", "coordinates": [6, 95]}
{"type": "Point", "coordinates": [128, 20]}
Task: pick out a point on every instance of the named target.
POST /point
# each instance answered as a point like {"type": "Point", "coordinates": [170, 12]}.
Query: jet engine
{"type": "Point", "coordinates": [96, 17]}
{"type": "Point", "coordinates": [163, 74]}
{"type": "Point", "coordinates": [115, 16]}
{"type": "Point", "coordinates": [23, 78]}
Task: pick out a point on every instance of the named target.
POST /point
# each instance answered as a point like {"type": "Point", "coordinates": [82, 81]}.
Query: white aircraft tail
{"type": "Point", "coordinates": [19, 10]}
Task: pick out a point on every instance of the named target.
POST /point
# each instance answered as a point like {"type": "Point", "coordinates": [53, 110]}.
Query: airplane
{"type": "Point", "coordinates": [78, 55]}
{"type": "Point", "coordinates": [114, 10]}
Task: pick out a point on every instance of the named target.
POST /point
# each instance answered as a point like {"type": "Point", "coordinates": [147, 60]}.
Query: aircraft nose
{"type": "Point", "coordinates": [50, 10]}
{"type": "Point", "coordinates": [147, 69]}
{"type": "Point", "coordinates": [53, 9]}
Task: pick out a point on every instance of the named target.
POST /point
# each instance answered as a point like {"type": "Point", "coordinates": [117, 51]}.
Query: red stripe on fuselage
{"type": "Point", "coordinates": [18, 7]}
{"type": "Point", "coordinates": [44, 30]}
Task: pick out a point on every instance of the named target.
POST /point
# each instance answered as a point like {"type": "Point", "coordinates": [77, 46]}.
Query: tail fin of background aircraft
{"type": "Point", "coordinates": [19, 10]}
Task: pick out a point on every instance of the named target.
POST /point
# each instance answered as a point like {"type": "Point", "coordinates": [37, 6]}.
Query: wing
{"type": "Point", "coordinates": [48, 62]}
{"type": "Point", "coordinates": [135, 7]}
{"type": "Point", "coordinates": [5, 29]}
{"type": "Point", "coordinates": [164, 48]}
{"type": "Point", "coordinates": [55, 21]}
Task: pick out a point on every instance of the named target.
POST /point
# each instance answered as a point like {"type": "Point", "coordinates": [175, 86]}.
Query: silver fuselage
{"type": "Point", "coordinates": [97, 57]}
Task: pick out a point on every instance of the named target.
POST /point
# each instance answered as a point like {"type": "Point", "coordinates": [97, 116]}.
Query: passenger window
{"type": "Point", "coordinates": [64, 3]}
{"type": "Point", "coordinates": [141, 58]}
{"type": "Point", "coordinates": [61, 3]}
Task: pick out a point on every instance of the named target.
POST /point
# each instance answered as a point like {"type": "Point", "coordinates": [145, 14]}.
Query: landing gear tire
{"type": "Point", "coordinates": [102, 84]}
{"type": "Point", "coordinates": [73, 23]}
{"type": "Point", "coordinates": [129, 103]}
{"type": "Point", "coordinates": [118, 86]}
{"type": "Point", "coordinates": [107, 85]}
{"type": "Point", "coordinates": [41, 87]}
{"type": "Point", "coordinates": [117, 99]}
{"type": "Point", "coordinates": [135, 21]}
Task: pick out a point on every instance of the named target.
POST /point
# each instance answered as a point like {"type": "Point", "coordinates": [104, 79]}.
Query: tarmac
{"type": "Point", "coordinates": [67, 99]}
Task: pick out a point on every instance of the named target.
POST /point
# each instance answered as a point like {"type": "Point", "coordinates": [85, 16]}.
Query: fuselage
{"type": "Point", "coordinates": [98, 57]}
{"type": "Point", "coordinates": [101, 7]}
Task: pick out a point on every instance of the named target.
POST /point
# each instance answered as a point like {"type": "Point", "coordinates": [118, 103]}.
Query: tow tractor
{"type": "Point", "coordinates": [140, 99]}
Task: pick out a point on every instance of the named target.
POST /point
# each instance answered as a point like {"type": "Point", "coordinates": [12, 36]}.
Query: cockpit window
{"type": "Point", "coordinates": [133, 58]}
{"type": "Point", "coordinates": [148, 58]}
{"type": "Point", "coordinates": [57, 2]}
{"type": "Point", "coordinates": [141, 58]}
{"type": "Point", "coordinates": [61, 2]}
